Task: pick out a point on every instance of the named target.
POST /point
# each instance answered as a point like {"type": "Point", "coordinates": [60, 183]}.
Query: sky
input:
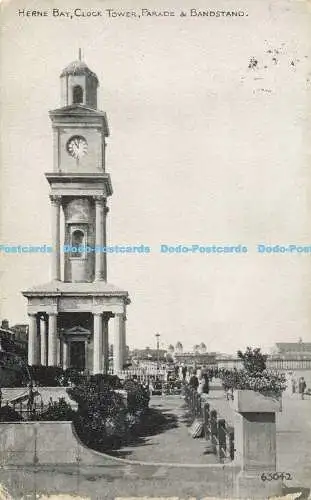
{"type": "Point", "coordinates": [209, 121]}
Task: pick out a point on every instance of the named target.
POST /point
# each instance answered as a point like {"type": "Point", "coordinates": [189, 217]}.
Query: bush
{"type": "Point", "coordinates": [48, 376]}
{"type": "Point", "coordinates": [101, 380]}
{"type": "Point", "coordinates": [100, 420]}
{"type": "Point", "coordinates": [104, 421]}
{"type": "Point", "coordinates": [8, 414]}
{"type": "Point", "coordinates": [265, 381]}
{"type": "Point", "coordinates": [137, 396]}
{"type": "Point", "coordinates": [72, 376]}
{"type": "Point", "coordinates": [253, 360]}
{"type": "Point", "coordinates": [57, 411]}
{"type": "Point", "coordinates": [13, 370]}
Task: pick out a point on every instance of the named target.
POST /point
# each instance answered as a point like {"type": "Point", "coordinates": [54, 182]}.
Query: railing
{"type": "Point", "coordinates": [217, 432]}
{"type": "Point", "coordinates": [302, 362]}
{"type": "Point", "coordinates": [140, 373]}
{"type": "Point", "coordinates": [27, 407]}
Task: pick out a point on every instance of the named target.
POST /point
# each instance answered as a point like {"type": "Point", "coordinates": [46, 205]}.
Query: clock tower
{"type": "Point", "coordinates": [69, 316]}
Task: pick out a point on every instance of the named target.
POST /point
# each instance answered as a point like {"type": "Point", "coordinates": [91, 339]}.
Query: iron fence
{"type": "Point", "coordinates": [217, 432]}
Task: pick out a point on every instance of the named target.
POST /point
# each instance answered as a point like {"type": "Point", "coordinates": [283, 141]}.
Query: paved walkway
{"type": "Point", "coordinates": [173, 443]}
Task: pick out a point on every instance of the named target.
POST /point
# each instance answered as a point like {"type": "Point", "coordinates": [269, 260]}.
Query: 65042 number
{"type": "Point", "coordinates": [273, 476]}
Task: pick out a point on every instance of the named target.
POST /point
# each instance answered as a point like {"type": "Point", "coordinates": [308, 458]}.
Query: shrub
{"type": "Point", "coordinates": [137, 396]}
{"type": "Point", "coordinates": [104, 421]}
{"type": "Point", "coordinates": [57, 411]}
{"type": "Point", "coordinates": [265, 381]}
{"type": "Point", "coordinates": [72, 376]}
{"type": "Point", "coordinates": [100, 420]}
{"type": "Point", "coordinates": [13, 370]}
{"type": "Point", "coordinates": [253, 360]}
{"type": "Point", "coordinates": [49, 376]}
{"type": "Point", "coordinates": [101, 380]}
{"type": "Point", "coordinates": [8, 414]}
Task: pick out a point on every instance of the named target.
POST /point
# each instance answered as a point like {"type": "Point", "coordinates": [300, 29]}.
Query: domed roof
{"type": "Point", "coordinates": [78, 68]}
{"type": "Point", "coordinates": [178, 345]}
{"type": "Point", "coordinates": [202, 344]}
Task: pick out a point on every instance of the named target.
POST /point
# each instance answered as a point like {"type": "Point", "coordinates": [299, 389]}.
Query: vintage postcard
{"type": "Point", "coordinates": [155, 250]}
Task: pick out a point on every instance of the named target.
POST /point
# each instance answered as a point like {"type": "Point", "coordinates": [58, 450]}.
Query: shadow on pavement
{"type": "Point", "coordinates": [187, 418]}
{"type": "Point", "coordinates": [154, 422]}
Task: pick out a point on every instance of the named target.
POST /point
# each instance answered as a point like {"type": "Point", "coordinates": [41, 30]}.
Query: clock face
{"type": "Point", "coordinates": [77, 146]}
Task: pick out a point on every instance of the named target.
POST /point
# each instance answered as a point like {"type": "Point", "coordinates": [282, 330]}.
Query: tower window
{"type": "Point", "coordinates": [77, 243]}
{"type": "Point", "coordinates": [77, 94]}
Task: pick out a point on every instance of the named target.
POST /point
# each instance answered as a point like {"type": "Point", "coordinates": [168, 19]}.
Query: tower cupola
{"type": "Point", "coordinates": [78, 85]}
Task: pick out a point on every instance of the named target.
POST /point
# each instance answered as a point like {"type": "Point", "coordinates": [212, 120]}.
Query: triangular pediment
{"type": "Point", "coordinates": [77, 330]}
{"type": "Point", "coordinates": [77, 109]}
{"type": "Point", "coordinates": [76, 112]}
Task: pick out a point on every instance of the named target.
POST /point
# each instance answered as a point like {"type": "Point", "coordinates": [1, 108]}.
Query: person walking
{"type": "Point", "coordinates": [294, 385]}
{"type": "Point", "coordinates": [194, 382]}
{"type": "Point", "coordinates": [302, 387]}
{"type": "Point", "coordinates": [201, 385]}
{"type": "Point", "coordinates": [206, 383]}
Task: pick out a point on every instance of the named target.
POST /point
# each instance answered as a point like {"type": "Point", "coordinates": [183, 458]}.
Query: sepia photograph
{"type": "Point", "coordinates": [155, 250]}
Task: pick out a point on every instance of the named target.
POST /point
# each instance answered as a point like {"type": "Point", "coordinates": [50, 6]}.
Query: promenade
{"type": "Point", "coordinates": [173, 442]}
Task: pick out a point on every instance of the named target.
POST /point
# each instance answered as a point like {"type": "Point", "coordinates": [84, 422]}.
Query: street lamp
{"type": "Point", "coordinates": [158, 353]}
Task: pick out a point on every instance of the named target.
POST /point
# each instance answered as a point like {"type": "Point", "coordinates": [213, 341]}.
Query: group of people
{"type": "Point", "coordinates": [200, 382]}
{"type": "Point", "coordinates": [300, 385]}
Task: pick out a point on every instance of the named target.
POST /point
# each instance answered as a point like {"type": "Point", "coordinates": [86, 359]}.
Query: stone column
{"type": "Point", "coordinates": [255, 443]}
{"type": "Point", "coordinates": [98, 343]}
{"type": "Point", "coordinates": [43, 334]}
{"type": "Point", "coordinates": [58, 351]}
{"type": "Point", "coordinates": [32, 339]}
{"type": "Point", "coordinates": [123, 341]}
{"type": "Point", "coordinates": [52, 340]}
{"type": "Point", "coordinates": [65, 355]}
{"type": "Point", "coordinates": [117, 345]}
{"type": "Point", "coordinates": [105, 345]}
{"type": "Point", "coordinates": [104, 261]}
{"type": "Point", "coordinates": [100, 238]}
{"type": "Point", "coordinates": [55, 203]}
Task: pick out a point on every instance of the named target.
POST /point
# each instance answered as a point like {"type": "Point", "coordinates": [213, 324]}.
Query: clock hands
{"type": "Point", "coordinates": [77, 146]}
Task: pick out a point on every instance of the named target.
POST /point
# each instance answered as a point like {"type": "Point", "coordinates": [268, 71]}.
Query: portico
{"type": "Point", "coordinates": [71, 316]}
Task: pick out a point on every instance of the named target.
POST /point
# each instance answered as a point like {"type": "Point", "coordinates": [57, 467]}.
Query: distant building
{"type": "Point", "coordinates": [148, 354]}
{"type": "Point", "coordinates": [291, 356]}
{"type": "Point", "coordinates": [202, 348]}
{"type": "Point", "coordinates": [21, 332]}
{"type": "Point", "coordinates": [196, 358]}
{"type": "Point", "coordinates": [293, 349]}
{"type": "Point", "coordinates": [13, 340]}
{"type": "Point", "coordinates": [179, 348]}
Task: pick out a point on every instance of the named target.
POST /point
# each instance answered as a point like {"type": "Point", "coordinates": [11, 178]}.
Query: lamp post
{"type": "Point", "coordinates": [158, 353]}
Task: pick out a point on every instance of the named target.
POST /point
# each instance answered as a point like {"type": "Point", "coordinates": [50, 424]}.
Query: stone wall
{"type": "Point", "coordinates": [38, 458]}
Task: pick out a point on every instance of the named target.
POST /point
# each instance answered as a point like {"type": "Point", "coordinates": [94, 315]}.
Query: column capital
{"type": "Point", "coordinates": [55, 199]}
{"type": "Point", "coordinates": [99, 199]}
{"type": "Point", "coordinates": [32, 314]}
